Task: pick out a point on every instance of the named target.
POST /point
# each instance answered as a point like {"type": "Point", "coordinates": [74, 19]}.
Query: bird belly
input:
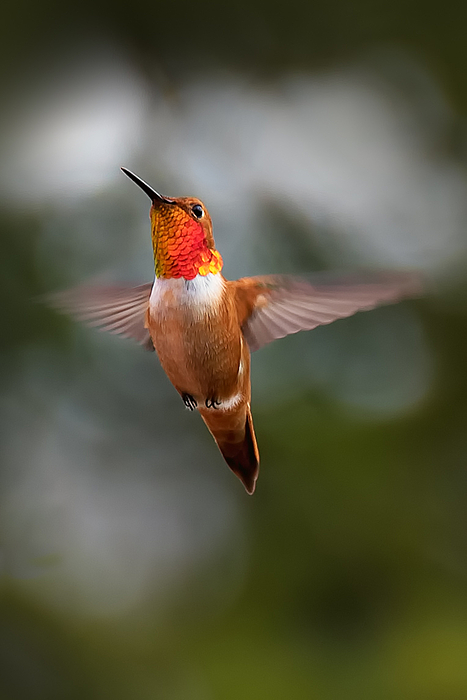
{"type": "Point", "coordinates": [198, 342]}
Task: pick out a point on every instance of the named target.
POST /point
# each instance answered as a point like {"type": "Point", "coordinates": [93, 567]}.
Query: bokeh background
{"type": "Point", "coordinates": [324, 135]}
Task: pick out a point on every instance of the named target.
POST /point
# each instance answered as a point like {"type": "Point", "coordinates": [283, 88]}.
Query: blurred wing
{"type": "Point", "coordinates": [120, 310]}
{"type": "Point", "coordinates": [275, 306]}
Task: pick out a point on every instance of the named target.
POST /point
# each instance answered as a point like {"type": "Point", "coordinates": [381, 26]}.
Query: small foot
{"type": "Point", "coordinates": [212, 403]}
{"type": "Point", "coordinates": [189, 401]}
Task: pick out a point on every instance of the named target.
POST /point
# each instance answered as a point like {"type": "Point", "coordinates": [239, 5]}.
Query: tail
{"type": "Point", "coordinates": [235, 437]}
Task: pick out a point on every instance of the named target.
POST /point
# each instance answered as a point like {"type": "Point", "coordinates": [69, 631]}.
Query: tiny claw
{"type": "Point", "coordinates": [189, 401]}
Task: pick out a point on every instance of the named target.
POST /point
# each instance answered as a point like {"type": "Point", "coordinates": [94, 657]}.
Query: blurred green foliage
{"type": "Point", "coordinates": [346, 575]}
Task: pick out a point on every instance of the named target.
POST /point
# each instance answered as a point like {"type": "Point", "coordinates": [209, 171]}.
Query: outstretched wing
{"type": "Point", "coordinates": [274, 306]}
{"type": "Point", "coordinates": [120, 310]}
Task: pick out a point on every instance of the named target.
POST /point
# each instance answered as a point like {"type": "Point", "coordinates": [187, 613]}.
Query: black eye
{"type": "Point", "coordinates": [197, 211]}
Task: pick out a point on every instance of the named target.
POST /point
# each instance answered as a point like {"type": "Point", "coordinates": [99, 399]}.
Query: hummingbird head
{"type": "Point", "coordinates": [182, 237]}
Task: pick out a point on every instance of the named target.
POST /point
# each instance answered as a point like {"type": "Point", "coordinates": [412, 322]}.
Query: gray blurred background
{"type": "Point", "coordinates": [324, 135]}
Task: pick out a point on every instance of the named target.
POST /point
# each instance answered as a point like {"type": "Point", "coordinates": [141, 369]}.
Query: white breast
{"type": "Point", "coordinates": [202, 294]}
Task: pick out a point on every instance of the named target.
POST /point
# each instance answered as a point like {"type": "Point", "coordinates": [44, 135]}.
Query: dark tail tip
{"type": "Point", "coordinates": [246, 472]}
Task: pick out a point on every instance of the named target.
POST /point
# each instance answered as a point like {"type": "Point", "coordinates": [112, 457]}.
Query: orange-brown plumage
{"type": "Point", "coordinates": [204, 327]}
{"type": "Point", "coordinates": [201, 348]}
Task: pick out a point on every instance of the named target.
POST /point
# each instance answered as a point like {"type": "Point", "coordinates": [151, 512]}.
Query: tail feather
{"type": "Point", "coordinates": [238, 447]}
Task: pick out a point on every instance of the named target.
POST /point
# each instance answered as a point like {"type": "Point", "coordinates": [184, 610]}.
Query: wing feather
{"type": "Point", "coordinates": [119, 310]}
{"type": "Point", "coordinates": [273, 306]}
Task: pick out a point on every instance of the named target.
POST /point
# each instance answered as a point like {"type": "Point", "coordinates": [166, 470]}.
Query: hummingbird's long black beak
{"type": "Point", "coordinates": [152, 194]}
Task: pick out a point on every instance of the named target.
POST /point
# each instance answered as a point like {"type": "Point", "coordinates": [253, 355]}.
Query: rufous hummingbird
{"type": "Point", "coordinates": [204, 327]}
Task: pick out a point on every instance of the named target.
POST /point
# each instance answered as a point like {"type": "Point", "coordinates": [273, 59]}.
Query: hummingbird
{"type": "Point", "coordinates": [204, 327]}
